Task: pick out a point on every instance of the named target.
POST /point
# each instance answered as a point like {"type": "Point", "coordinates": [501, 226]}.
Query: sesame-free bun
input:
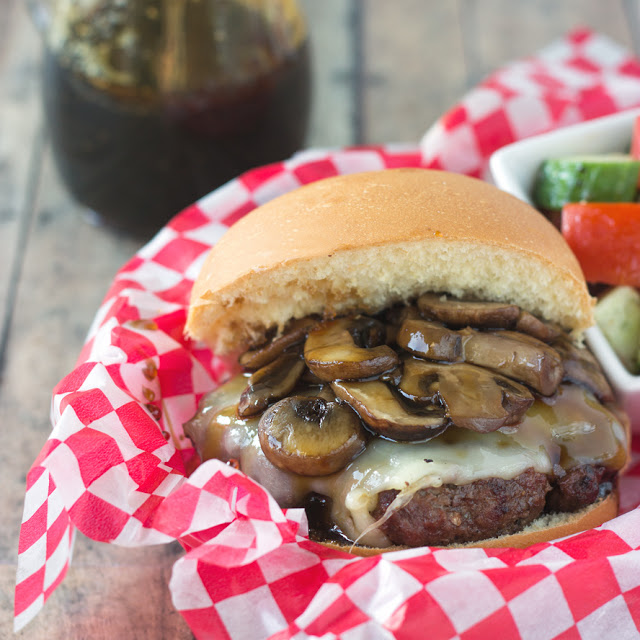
{"type": "Point", "coordinates": [546, 528]}
{"type": "Point", "coordinates": [365, 241]}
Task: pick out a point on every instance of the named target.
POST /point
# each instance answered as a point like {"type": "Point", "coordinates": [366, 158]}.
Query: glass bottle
{"type": "Point", "coordinates": [151, 104]}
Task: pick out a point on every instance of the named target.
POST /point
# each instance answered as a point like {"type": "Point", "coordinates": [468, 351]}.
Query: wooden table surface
{"type": "Point", "coordinates": [384, 71]}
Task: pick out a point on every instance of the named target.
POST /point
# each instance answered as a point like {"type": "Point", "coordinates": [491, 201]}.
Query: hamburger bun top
{"type": "Point", "coordinates": [362, 242]}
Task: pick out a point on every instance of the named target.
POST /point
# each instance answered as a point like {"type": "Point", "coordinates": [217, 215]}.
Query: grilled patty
{"type": "Point", "coordinates": [486, 508]}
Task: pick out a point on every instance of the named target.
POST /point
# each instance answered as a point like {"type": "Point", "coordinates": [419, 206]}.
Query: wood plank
{"type": "Point", "coordinates": [498, 31]}
{"type": "Point", "coordinates": [332, 64]}
{"type": "Point", "coordinates": [414, 67]}
{"type": "Point", "coordinates": [447, 48]}
{"type": "Point", "coordinates": [127, 597]}
{"type": "Point", "coordinates": [419, 58]}
{"type": "Point", "coordinates": [66, 267]}
{"type": "Point", "coordinates": [20, 144]}
{"type": "Point", "coordinates": [632, 15]}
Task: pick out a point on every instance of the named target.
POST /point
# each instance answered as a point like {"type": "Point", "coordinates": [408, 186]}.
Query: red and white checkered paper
{"type": "Point", "coordinates": [118, 467]}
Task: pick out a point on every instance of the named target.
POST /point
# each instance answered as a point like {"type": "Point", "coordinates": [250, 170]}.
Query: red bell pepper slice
{"type": "Point", "coordinates": [606, 240]}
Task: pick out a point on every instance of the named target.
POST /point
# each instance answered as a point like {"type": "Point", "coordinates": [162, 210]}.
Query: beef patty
{"type": "Point", "coordinates": [452, 514]}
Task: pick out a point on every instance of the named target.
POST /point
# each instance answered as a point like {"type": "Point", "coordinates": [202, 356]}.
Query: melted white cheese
{"type": "Point", "coordinates": [568, 429]}
{"type": "Point", "coordinates": [457, 457]}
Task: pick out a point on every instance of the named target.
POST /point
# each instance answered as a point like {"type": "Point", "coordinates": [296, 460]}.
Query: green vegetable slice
{"type": "Point", "coordinates": [601, 178]}
{"type": "Point", "coordinates": [618, 316]}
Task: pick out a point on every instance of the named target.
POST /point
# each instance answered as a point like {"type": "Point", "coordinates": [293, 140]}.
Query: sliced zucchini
{"type": "Point", "coordinates": [602, 178]}
{"type": "Point", "coordinates": [618, 316]}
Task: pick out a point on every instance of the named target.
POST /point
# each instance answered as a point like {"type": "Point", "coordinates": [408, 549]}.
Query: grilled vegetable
{"type": "Point", "coordinates": [618, 316]}
{"type": "Point", "coordinates": [606, 239]}
{"type": "Point", "coordinates": [602, 178]}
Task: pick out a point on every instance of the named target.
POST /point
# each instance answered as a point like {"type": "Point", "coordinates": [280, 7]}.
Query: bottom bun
{"type": "Point", "coordinates": [545, 528]}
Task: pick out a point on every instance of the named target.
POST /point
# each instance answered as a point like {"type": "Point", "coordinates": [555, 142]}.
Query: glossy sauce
{"type": "Point", "coordinates": [568, 429]}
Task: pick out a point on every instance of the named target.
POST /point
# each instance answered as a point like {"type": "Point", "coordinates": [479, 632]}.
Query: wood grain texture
{"type": "Point", "coordinates": [55, 268]}
{"type": "Point", "coordinates": [448, 47]}
{"type": "Point", "coordinates": [20, 147]}
{"type": "Point", "coordinates": [108, 593]}
{"type": "Point", "coordinates": [414, 67]}
{"type": "Point", "coordinates": [67, 265]}
{"type": "Point", "coordinates": [332, 115]}
{"type": "Point", "coordinates": [632, 16]}
{"type": "Point", "coordinates": [497, 31]}
{"type": "Point", "coordinates": [383, 72]}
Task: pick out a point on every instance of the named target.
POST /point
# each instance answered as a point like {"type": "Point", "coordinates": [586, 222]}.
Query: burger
{"type": "Point", "coordinates": [410, 366]}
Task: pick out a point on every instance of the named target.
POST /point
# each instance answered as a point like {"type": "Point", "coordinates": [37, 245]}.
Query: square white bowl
{"type": "Point", "coordinates": [514, 168]}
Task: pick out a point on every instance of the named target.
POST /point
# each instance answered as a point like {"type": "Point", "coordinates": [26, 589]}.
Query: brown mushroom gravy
{"type": "Point", "coordinates": [352, 407]}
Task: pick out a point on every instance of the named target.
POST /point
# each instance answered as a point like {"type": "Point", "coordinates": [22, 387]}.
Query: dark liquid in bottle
{"type": "Point", "coordinates": [137, 162]}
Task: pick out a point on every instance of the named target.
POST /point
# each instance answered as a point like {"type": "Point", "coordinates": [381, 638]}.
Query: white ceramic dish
{"type": "Point", "coordinates": [513, 169]}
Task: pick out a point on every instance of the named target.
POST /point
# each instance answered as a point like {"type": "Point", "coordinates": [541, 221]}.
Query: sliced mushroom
{"type": "Point", "coordinates": [295, 333]}
{"type": "Point", "coordinates": [467, 313]}
{"type": "Point", "coordinates": [430, 340]}
{"type": "Point", "coordinates": [397, 314]}
{"type": "Point", "coordinates": [417, 384]}
{"type": "Point", "coordinates": [485, 315]}
{"type": "Point", "coordinates": [475, 398]}
{"type": "Point", "coordinates": [392, 377]}
{"type": "Point", "coordinates": [215, 430]}
{"type": "Point", "coordinates": [581, 367]}
{"type": "Point", "coordinates": [270, 383]}
{"type": "Point", "coordinates": [529, 324]}
{"type": "Point", "coordinates": [515, 355]}
{"type": "Point", "coordinates": [321, 390]}
{"type": "Point", "coordinates": [310, 436]}
{"type": "Point", "coordinates": [345, 349]}
{"type": "Point", "coordinates": [385, 414]}
{"type": "Point", "coordinates": [395, 317]}
{"type": "Point", "coordinates": [310, 378]}
{"type": "Point", "coordinates": [367, 332]}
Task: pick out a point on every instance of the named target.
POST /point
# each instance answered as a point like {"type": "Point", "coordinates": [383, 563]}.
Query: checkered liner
{"type": "Point", "coordinates": [117, 465]}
